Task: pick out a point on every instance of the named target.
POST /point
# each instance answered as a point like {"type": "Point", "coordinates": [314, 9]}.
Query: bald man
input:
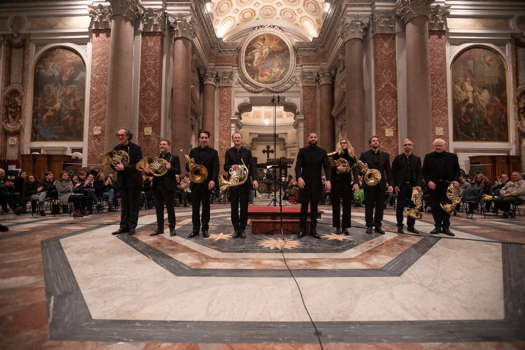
{"type": "Point", "coordinates": [440, 169]}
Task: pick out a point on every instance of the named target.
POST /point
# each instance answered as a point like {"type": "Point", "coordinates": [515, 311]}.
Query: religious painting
{"type": "Point", "coordinates": [479, 96]}
{"type": "Point", "coordinates": [267, 59]}
{"type": "Point", "coordinates": [58, 104]}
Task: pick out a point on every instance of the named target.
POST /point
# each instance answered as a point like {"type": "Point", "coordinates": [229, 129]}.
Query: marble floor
{"type": "Point", "coordinates": [69, 284]}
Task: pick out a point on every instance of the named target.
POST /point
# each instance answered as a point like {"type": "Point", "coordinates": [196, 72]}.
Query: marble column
{"type": "Point", "coordinates": [150, 97]}
{"type": "Point", "coordinates": [298, 124]}
{"type": "Point", "coordinates": [183, 33]}
{"type": "Point", "coordinates": [208, 111]}
{"type": "Point", "coordinates": [326, 126]}
{"type": "Point", "coordinates": [385, 81]}
{"type": "Point", "coordinates": [225, 112]}
{"type": "Point", "coordinates": [98, 102]}
{"type": "Point", "coordinates": [125, 14]}
{"type": "Point", "coordinates": [414, 14]}
{"type": "Point", "coordinates": [354, 30]}
{"type": "Point", "coordinates": [309, 92]}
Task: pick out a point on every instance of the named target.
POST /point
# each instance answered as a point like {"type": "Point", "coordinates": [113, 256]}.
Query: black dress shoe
{"type": "Point", "coordinates": [3, 228]}
{"type": "Point", "coordinates": [316, 235]}
{"type": "Point", "coordinates": [236, 233]}
{"type": "Point", "coordinates": [345, 232]}
{"type": "Point", "coordinates": [205, 234]}
{"type": "Point", "coordinates": [243, 235]}
{"type": "Point", "coordinates": [412, 229]}
{"type": "Point", "coordinates": [436, 230]}
{"type": "Point", "coordinates": [369, 230]}
{"type": "Point", "coordinates": [158, 232]}
{"type": "Point", "coordinates": [300, 234]}
{"type": "Point", "coordinates": [337, 230]}
{"type": "Point", "coordinates": [379, 230]}
{"type": "Point", "coordinates": [119, 231]}
{"type": "Point", "coordinates": [172, 232]}
{"type": "Point", "coordinates": [400, 229]}
{"type": "Point", "coordinates": [131, 231]}
{"type": "Point", "coordinates": [193, 234]}
{"type": "Point", "coordinates": [446, 231]}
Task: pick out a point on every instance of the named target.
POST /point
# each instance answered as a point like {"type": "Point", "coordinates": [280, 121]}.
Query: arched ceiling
{"type": "Point", "coordinates": [230, 17]}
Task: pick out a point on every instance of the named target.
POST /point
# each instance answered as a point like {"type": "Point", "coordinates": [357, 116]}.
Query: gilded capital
{"type": "Point", "coordinates": [100, 17]}
{"type": "Point", "coordinates": [130, 10]}
{"type": "Point", "coordinates": [407, 10]}
{"type": "Point", "coordinates": [226, 78]}
{"type": "Point", "coordinates": [438, 17]}
{"type": "Point", "coordinates": [384, 23]}
{"type": "Point", "coordinates": [355, 27]}
{"type": "Point", "coordinates": [210, 78]}
{"type": "Point", "coordinates": [182, 26]}
{"type": "Point", "coordinates": [325, 77]}
{"type": "Point", "coordinates": [153, 20]}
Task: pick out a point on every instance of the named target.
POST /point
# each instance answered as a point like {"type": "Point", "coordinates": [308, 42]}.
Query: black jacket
{"type": "Point", "coordinates": [381, 161]}
{"type": "Point", "coordinates": [310, 161]}
{"type": "Point", "coordinates": [407, 169]}
{"type": "Point", "coordinates": [130, 176]}
{"type": "Point", "coordinates": [208, 157]}
{"type": "Point", "coordinates": [344, 181]}
{"type": "Point", "coordinates": [234, 156]}
{"type": "Point", "coordinates": [168, 182]}
{"type": "Point", "coordinates": [441, 167]}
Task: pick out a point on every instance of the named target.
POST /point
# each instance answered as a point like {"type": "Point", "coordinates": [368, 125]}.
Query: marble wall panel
{"type": "Point", "coordinates": [310, 111]}
{"type": "Point", "coordinates": [225, 113]}
{"type": "Point", "coordinates": [438, 84]}
{"type": "Point", "coordinates": [150, 93]}
{"type": "Point", "coordinates": [386, 92]}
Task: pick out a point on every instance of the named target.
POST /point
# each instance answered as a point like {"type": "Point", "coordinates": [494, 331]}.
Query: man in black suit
{"type": "Point", "coordinates": [344, 183]}
{"type": "Point", "coordinates": [440, 169]}
{"type": "Point", "coordinates": [375, 195]}
{"type": "Point", "coordinates": [310, 160]}
{"type": "Point", "coordinates": [129, 182]}
{"type": "Point", "coordinates": [200, 192]}
{"type": "Point", "coordinates": [239, 195]}
{"type": "Point", "coordinates": [406, 174]}
{"type": "Point", "coordinates": [164, 189]}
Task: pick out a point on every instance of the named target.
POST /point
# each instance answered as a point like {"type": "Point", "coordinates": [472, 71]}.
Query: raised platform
{"type": "Point", "coordinates": [267, 219]}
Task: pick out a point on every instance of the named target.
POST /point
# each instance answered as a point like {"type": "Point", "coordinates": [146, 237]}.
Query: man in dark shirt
{"type": "Point", "coordinates": [164, 188]}
{"type": "Point", "coordinates": [375, 195]}
{"type": "Point", "coordinates": [344, 183]}
{"type": "Point", "coordinates": [200, 192]}
{"type": "Point", "coordinates": [129, 182]}
{"type": "Point", "coordinates": [310, 160]}
{"type": "Point", "coordinates": [406, 174]}
{"type": "Point", "coordinates": [440, 169]}
{"type": "Point", "coordinates": [239, 195]}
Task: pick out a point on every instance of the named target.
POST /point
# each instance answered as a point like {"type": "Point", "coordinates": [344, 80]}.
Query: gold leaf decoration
{"type": "Point", "coordinates": [336, 237]}
{"type": "Point", "coordinates": [279, 243]}
{"type": "Point", "coordinates": [219, 236]}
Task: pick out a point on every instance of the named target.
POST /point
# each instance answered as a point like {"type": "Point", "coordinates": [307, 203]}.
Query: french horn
{"type": "Point", "coordinates": [198, 172]}
{"type": "Point", "coordinates": [339, 163]}
{"type": "Point", "coordinates": [454, 195]}
{"type": "Point", "coordinates": [371, 177]}
{"type": "Point", "coordinates": [114, 157]}
{"type": "Point", "coordinates": [237, 177]}
{"type": "Point", "coordinates": [158, 166]}
{"type": "Point", "coordinates": [417, 200]}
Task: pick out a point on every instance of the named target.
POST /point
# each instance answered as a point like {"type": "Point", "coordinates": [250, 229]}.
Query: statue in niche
{"type": "Point", "coordinates": [13, 111]}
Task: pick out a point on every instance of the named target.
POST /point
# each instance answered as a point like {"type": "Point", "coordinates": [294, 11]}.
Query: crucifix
{"type": "Point", "coordinates": [268, 150]}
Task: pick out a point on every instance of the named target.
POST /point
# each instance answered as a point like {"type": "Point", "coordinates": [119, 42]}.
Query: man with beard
{"type": "Point", "coordinates": [310, 160]}
{"type": "Point", "coordinates": [440, 169]}
{"type": "Point", "coordinates": [164, 189]}
{"type": "Point", "coordinates": [201, 192]}
{"type": "Point", "coordinates": [375, 195]}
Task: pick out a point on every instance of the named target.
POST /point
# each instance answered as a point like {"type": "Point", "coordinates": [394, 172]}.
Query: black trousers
{"type": "Point", "coordinates": [404, 198]}
{"type": "Point", "coordinates": [438, 196]}
{"type": "Point", "coordinates": [504, 203]}
{"type": "Point", "coordinates": [200, 194]}
{"type": "Point", "coordinates": [164, 197]}
{"type": "Point", "coordinates": [129, 214]}
{"type": "Point", "coordinates": [345, 195]}
{"type": "Point", "coordinates": [374, 205]}
{"type": "Point", "coordinates": [304, 213]}
{"type": "Point", "coordinates": [239, 198]}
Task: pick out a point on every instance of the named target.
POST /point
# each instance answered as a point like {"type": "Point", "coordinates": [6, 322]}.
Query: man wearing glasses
{"type": "Point", "coordinates": [406, 174]}
{"type": "Point", "coordinates": [129, 182]}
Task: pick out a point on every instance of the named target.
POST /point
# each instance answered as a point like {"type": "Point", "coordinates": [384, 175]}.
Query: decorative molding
{"type": "Point", "coordinates": [438, 17]}
{"type": "Point", "coordinates": [325, 77]}
{"type": "Point", "coordinates": [354, 27]}
{"type": "Point", "coordinates": [407, 10]}
{"type": "Point", "coordinates": [226, 78]}
{"type": "Point", "coordinates": [130, 10]}
{"type": "Point", "coordinates": [182, 26]}
{"type": "Point", "coordinates": [384, 23]}
{"type": "Point", "coordinates": [210, 77]}
{"type": "Point", "coordinates": [153, 20]}
{"type": "Point", "coordinates": [100, 17]}
{"type": "Point", "coordinates": [309, 78]}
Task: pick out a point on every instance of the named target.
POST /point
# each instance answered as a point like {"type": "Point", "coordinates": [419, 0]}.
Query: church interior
{"type": "Point", "coordinates": [74, 73]}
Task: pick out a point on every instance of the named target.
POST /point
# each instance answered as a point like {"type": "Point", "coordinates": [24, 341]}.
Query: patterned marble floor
{"type": "Point", "coordinates": [68, 283]}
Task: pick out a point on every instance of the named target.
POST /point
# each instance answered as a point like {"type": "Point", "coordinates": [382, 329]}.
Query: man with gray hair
{"type": "Point", "coordinates": [440, 169]}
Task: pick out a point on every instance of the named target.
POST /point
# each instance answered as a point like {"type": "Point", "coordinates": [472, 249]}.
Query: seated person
{"type": "Point", "coordinates": [64, 187]}
{"type": "Point", "coordinates": [33, 191]}
{"type": "Point", "coordinates": [104, 189]}
{"type": "Point", "coordinates": [472, 197]}
{"type": "Point", "coordinates": [512, 193]}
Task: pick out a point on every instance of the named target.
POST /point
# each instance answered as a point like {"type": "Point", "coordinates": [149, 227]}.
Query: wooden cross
{"type": "Point", "coordinates": [268, 150]}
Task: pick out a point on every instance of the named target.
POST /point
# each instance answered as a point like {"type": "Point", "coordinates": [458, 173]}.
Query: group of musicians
{"type": "Point", "coordinates": [440, 169]}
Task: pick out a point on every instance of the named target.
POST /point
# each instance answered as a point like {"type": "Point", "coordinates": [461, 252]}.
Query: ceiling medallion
{"type": "Point", "coordinates": [267, 60]}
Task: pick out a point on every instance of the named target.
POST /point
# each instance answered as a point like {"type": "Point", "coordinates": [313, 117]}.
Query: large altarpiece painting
{"type": "Point", "coordinates": [59, 96]}
{"type": "Point", "coordinates": [479, 95]}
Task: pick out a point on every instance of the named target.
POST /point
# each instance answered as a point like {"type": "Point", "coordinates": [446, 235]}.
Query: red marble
{"type": "Point", "coordinates": [438, 82]}
{"type": "Point", "coordinates": [267, 219]}
{"type": "Point", "coordinates": [310, 111]}
{"type": "Point", "coordinates": [101, 48]}
{"type": "Point", "coordinates": [150, 92]}
{"type": "Point", "coordinates": [386, 91]}
{"type": "Point", "coordinates": [225, 113]}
